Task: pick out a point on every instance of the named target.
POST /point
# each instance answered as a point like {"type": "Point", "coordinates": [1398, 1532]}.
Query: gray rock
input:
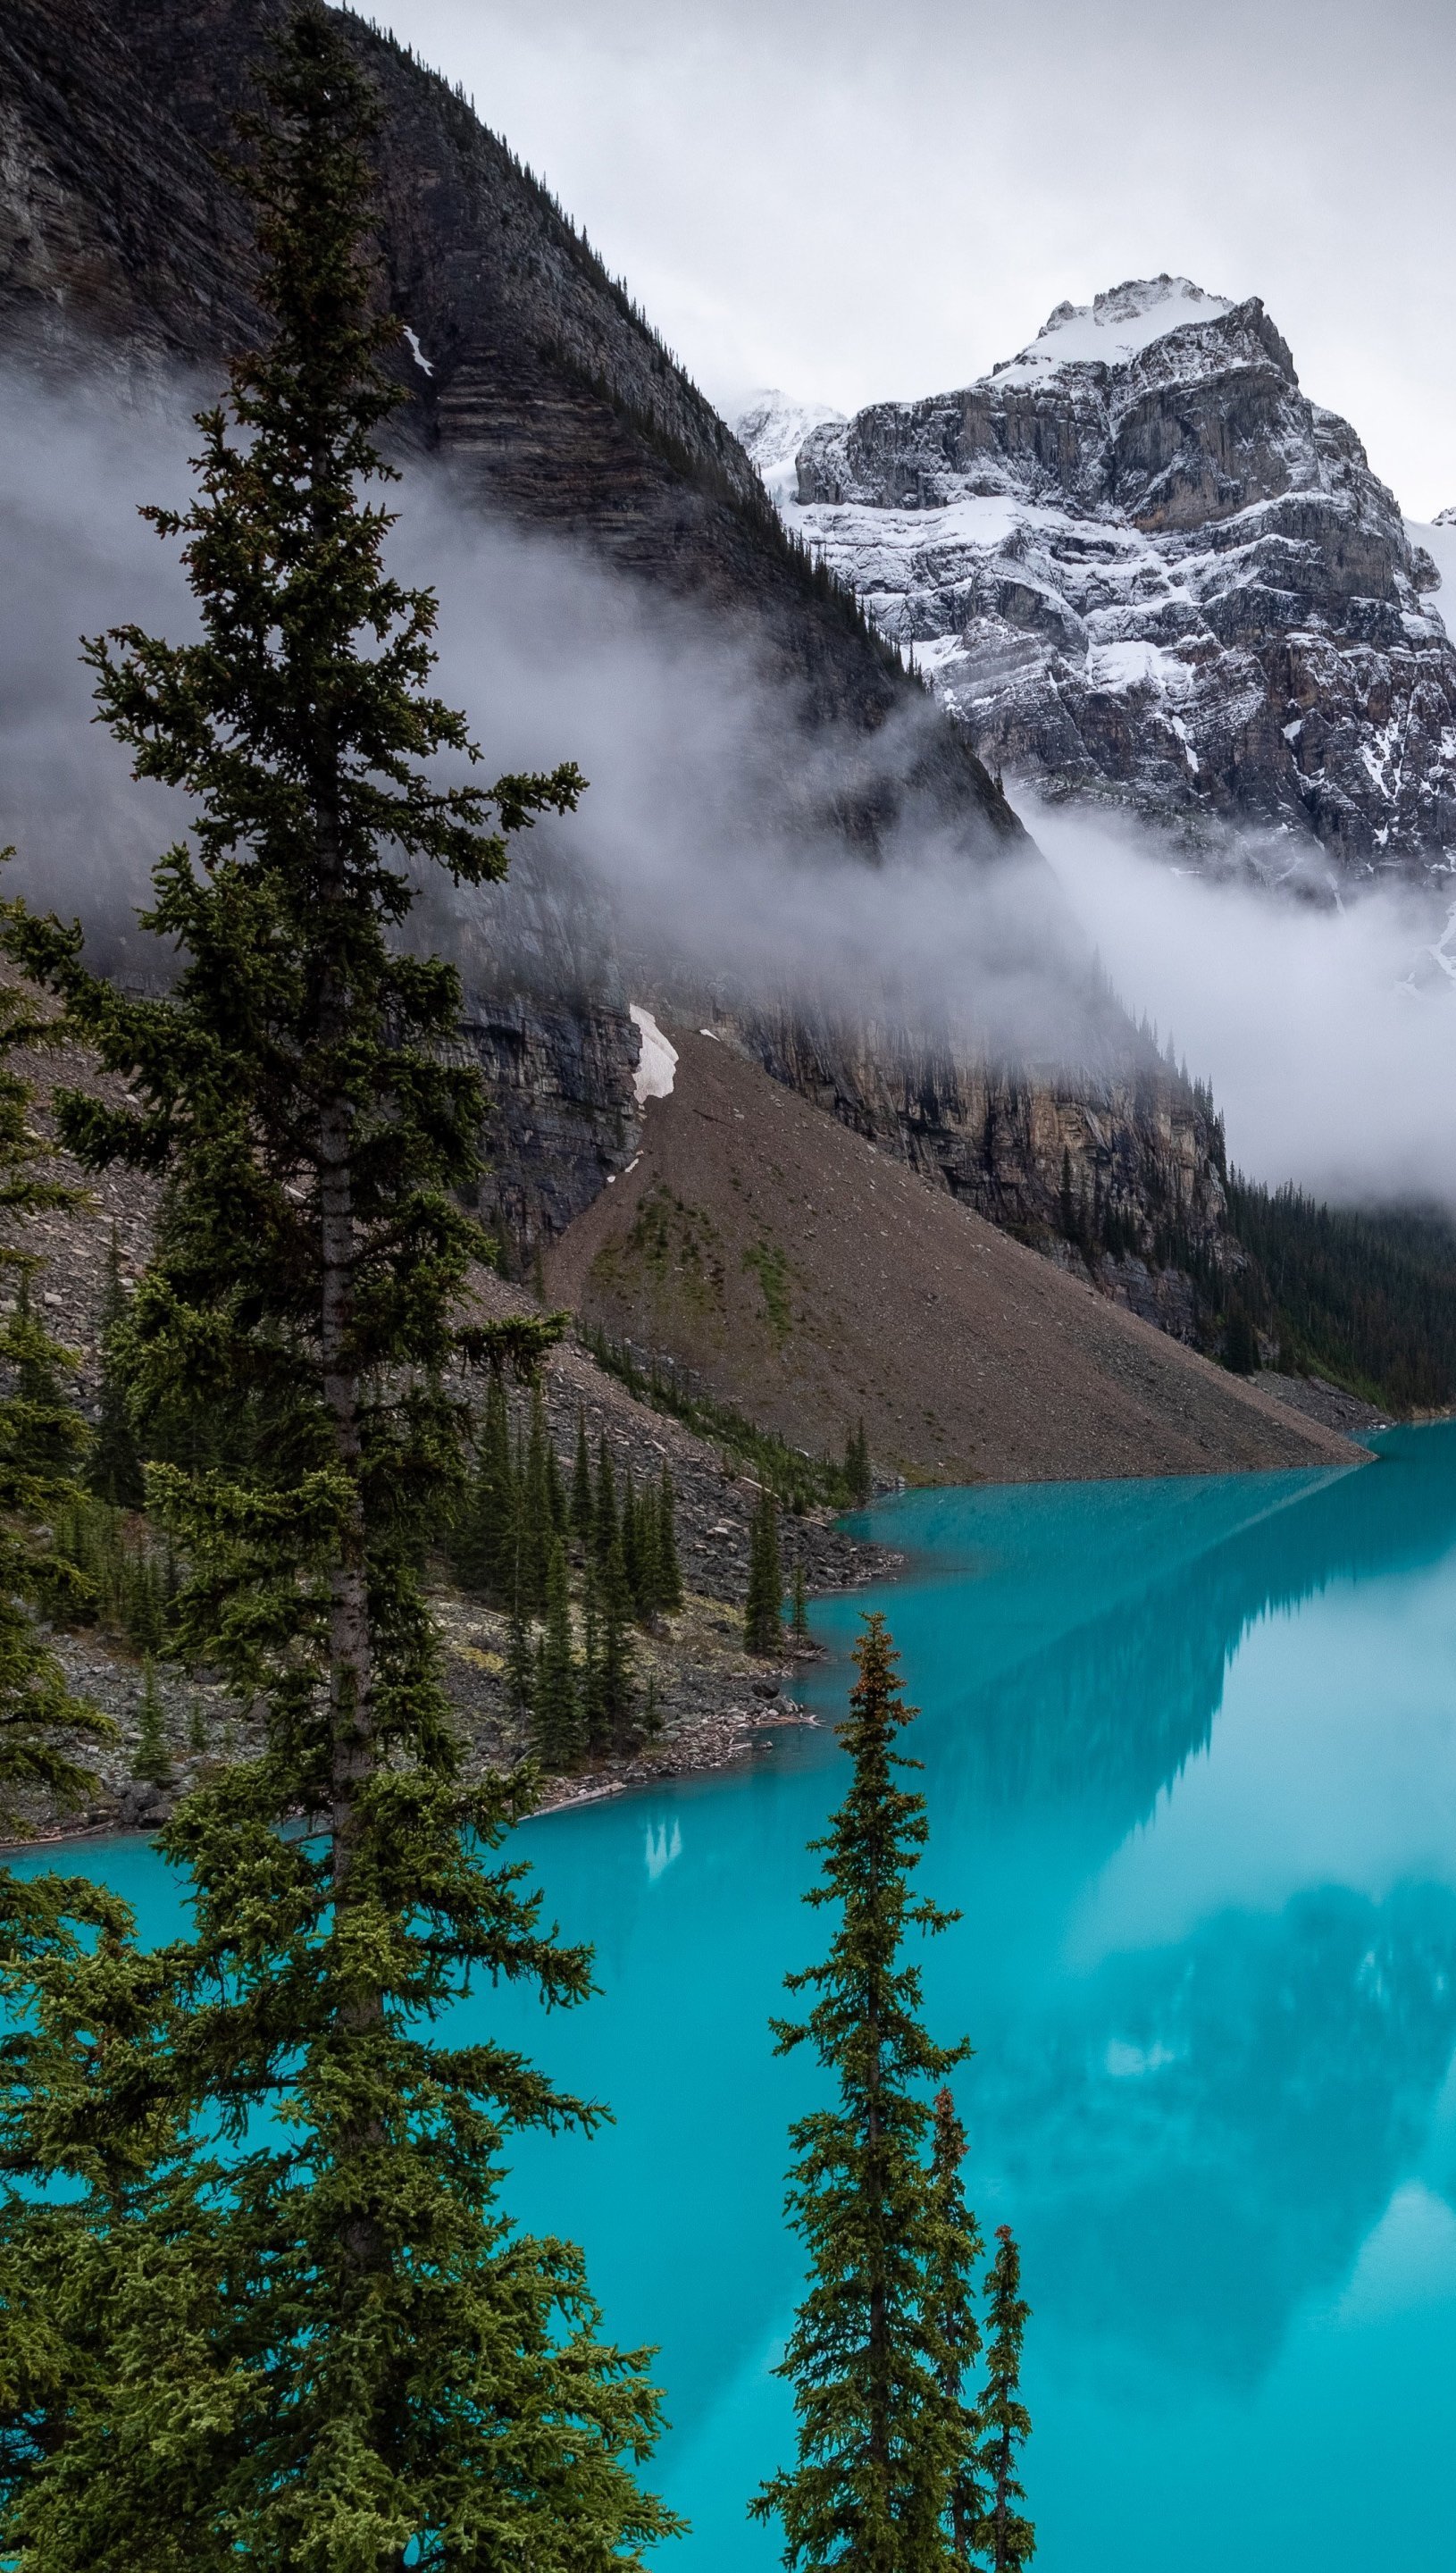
{"type": "Point", "coordinates": [1143, 567]}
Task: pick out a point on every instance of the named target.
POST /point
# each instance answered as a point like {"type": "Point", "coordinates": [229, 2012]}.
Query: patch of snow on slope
{"type": "Point", "coordinates": [771, 429]}
{"type": "Point", "coordinates": [1113, 327]}
{"type": "Point", "coordinates": [1136, 665]}
{"type": "Point", "coordinates": [657, 1063]}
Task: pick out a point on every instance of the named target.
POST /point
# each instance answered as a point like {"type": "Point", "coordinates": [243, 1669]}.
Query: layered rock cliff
{"type": "Point", "coordinates": [1142, 566]}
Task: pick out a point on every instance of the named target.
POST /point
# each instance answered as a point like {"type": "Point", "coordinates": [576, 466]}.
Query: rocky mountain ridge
{"type": "Point", "coordinates": [1141, 567]}
{"type": "Point", "coordinates": [541, 389]}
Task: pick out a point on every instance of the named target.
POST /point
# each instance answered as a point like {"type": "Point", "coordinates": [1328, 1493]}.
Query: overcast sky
{"type": "Point", "coordinates": [862, 197]}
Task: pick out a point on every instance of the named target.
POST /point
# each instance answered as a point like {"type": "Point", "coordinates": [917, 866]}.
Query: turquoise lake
{"type": "Point", "coordinates": [1190, 1758]}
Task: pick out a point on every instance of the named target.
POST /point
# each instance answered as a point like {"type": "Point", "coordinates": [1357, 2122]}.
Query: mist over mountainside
{"type": "Point", "coordinates": [1144, 570]}
{"type": "Point", "coordinates": [556, 416]}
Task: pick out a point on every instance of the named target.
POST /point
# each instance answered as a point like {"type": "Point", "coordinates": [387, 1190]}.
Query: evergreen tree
{"type": "Point", "coordinates": [556, 1713]}
{"type": "Point", "coordinates": [879, 2447]}
{"type": "Point", "coordinates": [763, 1630]}
{"type": "Point", "coordinates": [46, 1428]}
{"type": "Point", "coordinates": [581, 1485]}
{"type": "Point", "coordinates": [1241, 1340]}
{"type": "Point", "coordinates": [41, 1444]}
{"type": "Point", "coordinates": [606, 1531]}
{"type": "Point", "coordinates": [114, 1469]}
{"type": "Point", "coordinates": [952, 2279]}
{"type": "Point", "coordinates": [669, 1575]}
{"type": "Point", "coordinates": [556, 1507]}
{"type": "Point", "coordinates": [536, 1520]}
{"type": "Point", "coordinates": [635, 1562]}
{"type": "Point", "coordinates": [857, 1467]}
{"type": "Point", "coordinates": [615, 1645]}
{"type": "Point", "coordinates": [1004, 2536]}
{"type": "Point", "coordinates": [799, 1616]}
{"type": "Point", "coordinates": [595, 1710]}
{"type": "Point", "coordinates": [520, 1667]}
{"type": "Point", "coordinates": [153, 1758]}
{"type": "Point", "coordinates": [287, 2316]}
{"type": "Point", "coordinates": [485, 1534]}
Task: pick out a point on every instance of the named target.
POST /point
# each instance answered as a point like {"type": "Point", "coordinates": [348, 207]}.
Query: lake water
{"type": "Point", "coordinates": [1191, 1756]}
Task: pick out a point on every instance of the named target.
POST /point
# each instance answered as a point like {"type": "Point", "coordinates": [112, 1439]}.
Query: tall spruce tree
{"type": "Point", "coordinates": [874, 2347]}
{"type": "Point", "coordinates": [581, 1485]}
{"type": "Point", "coordinates": [322, 2343]}
{"type": "Point", "coordinates": [605, 1527]}
{"type": "Point", "coordinates": [763, 1630]}
{"type": "Point", "coordinates": [617, 1674]}
{"type": "Point", "coordinates": [952, 2280]}
{"type": "Point", "coordinates": [556, 1729]}
{"type": "Point", "coordinates": [1004, 2538]}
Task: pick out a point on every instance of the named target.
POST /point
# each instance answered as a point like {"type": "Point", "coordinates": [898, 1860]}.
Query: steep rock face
{"type": "Point", "coordinates": [1119, 1178]}
{"type": "Point", "coordinates": [1142, 566]}
{"type": "Point", "coordinates": [534, 378]}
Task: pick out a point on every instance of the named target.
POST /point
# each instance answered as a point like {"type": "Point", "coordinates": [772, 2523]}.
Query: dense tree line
{"type": "Point", "coordinates": [527, 1540]}
{"type": "Point", "coordinates": [1367, 1299]}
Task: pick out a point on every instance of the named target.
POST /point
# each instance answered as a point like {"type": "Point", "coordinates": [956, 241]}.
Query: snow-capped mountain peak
{"type": "Point", "coordinates": [771, 427]}
{"type": "Point", "coordinates": [1138, 563]}
{"type": "Point", "coordinates": [1114, 326]}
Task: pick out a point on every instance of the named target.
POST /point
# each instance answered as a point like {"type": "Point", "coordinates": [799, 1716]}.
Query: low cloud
{"type": "Point", "coordinates": [1328, 1033]}
{"type": "Point", "coordinates": [707, 855]}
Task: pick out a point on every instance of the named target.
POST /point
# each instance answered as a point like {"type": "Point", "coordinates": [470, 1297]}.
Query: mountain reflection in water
{"type": "Point", "coordinates": [1191, 1756]}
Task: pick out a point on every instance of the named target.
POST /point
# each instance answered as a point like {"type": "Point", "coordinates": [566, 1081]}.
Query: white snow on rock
{"type": "Point", "coordinates": [657, 1062]}
{"type": "Point", "coordinates": [771, 429]}
{"type": "Point", "coordinates": [1135, 560]}
{"type": "Point", "coordinates": [1113, 328]}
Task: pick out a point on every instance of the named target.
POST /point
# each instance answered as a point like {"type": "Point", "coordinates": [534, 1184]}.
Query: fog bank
{"type": "Point", "coordinates": [1330, 1035]}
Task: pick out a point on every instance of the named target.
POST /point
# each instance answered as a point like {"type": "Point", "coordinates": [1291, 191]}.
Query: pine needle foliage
{"type": "Point", "coordinates": [1004, 2537]}
{"type": "Point", "coordinates": [951, 2282]}
{"type": "Point", "coordinates": [153, 1759]}
{"type": "Point", "coordinates": [41, 1441]}
{"type": "Point", "coordinates": [557, 1729]}
{"type": "Point", "coordinates": [285, 2319]}
{"type": "Point", "coordinates": [856, 1474]}
{"type": "Point", "coordinates": [875, 2346]}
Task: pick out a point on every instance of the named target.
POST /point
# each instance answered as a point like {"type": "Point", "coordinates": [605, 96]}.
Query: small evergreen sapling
{"type": "Point", "coordinates": [1005, 2537]}
{"type": "Point", "coordinates": [799, 1612]}
{"type": "Point", "coordinates": [153, 1758]}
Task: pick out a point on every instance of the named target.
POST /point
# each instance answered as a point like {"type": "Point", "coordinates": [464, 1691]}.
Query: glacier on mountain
{"type": "Point", "coordinates": [1143, 567]}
